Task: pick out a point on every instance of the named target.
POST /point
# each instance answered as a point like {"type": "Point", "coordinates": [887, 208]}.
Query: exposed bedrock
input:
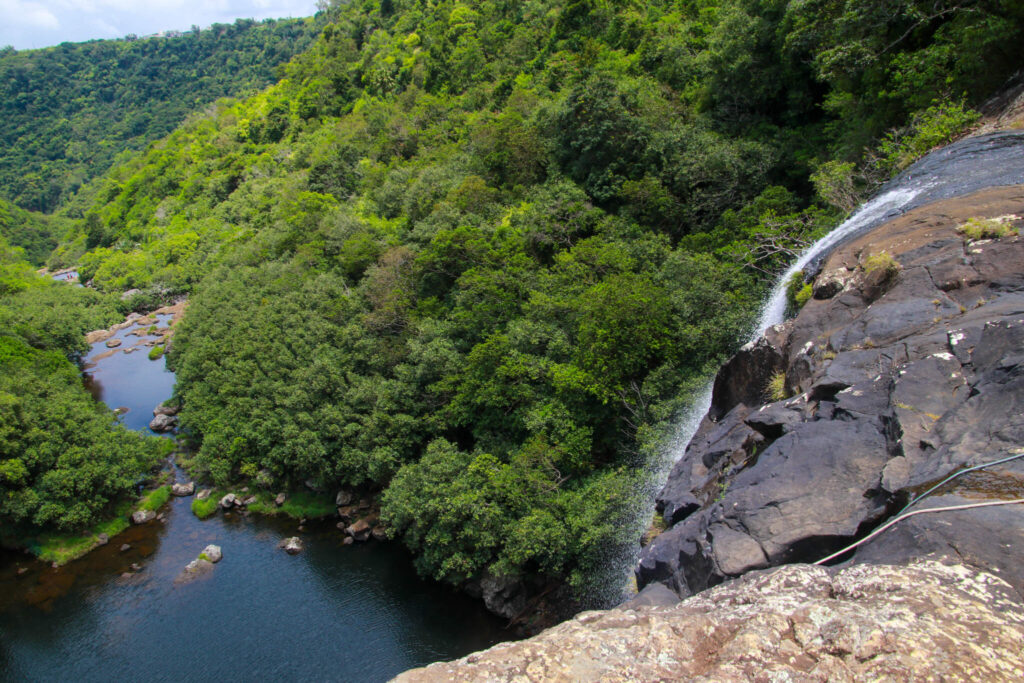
{"type": "Point", "coordinates": [928, 621]}
{"type": "Point", "coordinates": [892, 381]}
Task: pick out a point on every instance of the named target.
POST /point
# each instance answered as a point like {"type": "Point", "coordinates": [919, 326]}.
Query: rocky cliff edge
{"type": "Point", "coordinates": [927, 621]}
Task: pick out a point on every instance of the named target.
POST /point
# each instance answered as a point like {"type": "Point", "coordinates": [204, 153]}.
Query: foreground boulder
{"type": "Point", "coordinates": [927, 621]}
{"type": "Point", "coordinates": [229, 501]}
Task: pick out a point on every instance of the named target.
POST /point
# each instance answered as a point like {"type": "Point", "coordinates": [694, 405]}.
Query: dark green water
{"type": "Point", "coordinates": [331, 613]}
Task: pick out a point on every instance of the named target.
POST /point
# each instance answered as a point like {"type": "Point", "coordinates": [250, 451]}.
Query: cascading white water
{"type": "Point", "coordinates": [774, 308]}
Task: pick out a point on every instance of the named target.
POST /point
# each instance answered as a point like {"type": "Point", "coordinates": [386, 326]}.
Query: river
{"type": "Point", "coordinates": [331, 613]}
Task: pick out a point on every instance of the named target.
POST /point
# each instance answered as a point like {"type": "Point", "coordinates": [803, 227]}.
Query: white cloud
{"type": "Point", "coordinates": [33, 23]}
{"type": "Point", "coordinates": [28, 14]}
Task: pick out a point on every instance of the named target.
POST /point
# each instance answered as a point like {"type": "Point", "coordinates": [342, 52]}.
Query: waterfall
{"type": "Point", "coordinates": [774, 308]}
{"type": "Point", "coordinates": [958, 169]}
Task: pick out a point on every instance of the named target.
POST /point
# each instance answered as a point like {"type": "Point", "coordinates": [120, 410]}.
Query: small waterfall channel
{"type": "Point", "coordinates": [960, 169]}
{"type": "Point", "coordinates": [965, 167]}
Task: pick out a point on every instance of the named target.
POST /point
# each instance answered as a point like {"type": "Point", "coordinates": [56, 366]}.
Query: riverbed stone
{"type": "Point", "coordinates": [292, 546]}
{"type": "Point", "coordinates": [204, 494]}
{"type": "Point", "coordinates": [343, 498]}
{"type": "Point", "coordinates": [166, 410]}
{"type": "Point", "coordinates": [229, 501]}
{"type": "Point", "coordinates": [183, 490]}
{"type": "Point", "coordinates": [102, 539]}
{"type": "Point", "coordinates": [196, 569]}
{"type": "Point", "coordinates": [213, 553]}
{"type": "Point", "coordinates": [143, 516]}
{"type": "Point", "coordinates": [113, 343]}
{"type": "Point", "coordinates": [163, 423]}
{"type": "Point", "coordinates": [360, 530]}
{"type": "Point", "coordinates": [125, 547]}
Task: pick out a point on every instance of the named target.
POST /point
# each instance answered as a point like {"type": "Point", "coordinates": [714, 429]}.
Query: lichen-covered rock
{"type": "Point", "coordinates": [927, 621]}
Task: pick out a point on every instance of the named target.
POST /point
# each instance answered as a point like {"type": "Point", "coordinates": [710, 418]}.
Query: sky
{"type": "Point", "coordinates": [40, 23]}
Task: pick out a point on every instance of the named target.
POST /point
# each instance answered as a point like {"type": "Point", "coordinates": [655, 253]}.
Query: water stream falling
{"type": "Point", "coordinates": [960, 169]}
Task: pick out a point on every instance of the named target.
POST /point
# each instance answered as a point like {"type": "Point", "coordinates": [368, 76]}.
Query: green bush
{"type": "Point", "coordinates": [928, 129]}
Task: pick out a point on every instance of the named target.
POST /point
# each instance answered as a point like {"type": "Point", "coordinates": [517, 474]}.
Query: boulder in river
{"type": "Point", "coordinates": [182, 490]}
{"type": "Point", "coordinates": [343, 498]}
{"type": "Point", "coordinates": [292, 546]}
{"type": "Point", "coordinates": [102, 539]}
{"type": "Point", "coordinates": [143, 516]}
{"type": "Point", "coordinates": [229, 501]}
{"type": "Point", "coordinates": [163, 423]}
{"type": "Point", "coordinates": [125, 547]}
{"type": "Point", "coordinates": [211, 553]}
{"type": "Point", "coordinates": [195, 569]}
{"type": "Point", "coordinates": [360, 530]}
{"type": "Point", "coordinates": [113, 343]}
{"type": "Point", "coordinates": [166, 410]}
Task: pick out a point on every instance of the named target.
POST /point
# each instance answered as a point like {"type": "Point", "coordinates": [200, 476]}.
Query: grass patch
{"type": "Point", "coordinates": [776, 389]}
{"type": "Point", "coordinates": [155, 499]}
{"type": "Point", "coordinates": [986, 228]}
{"type": "Point", "coordinates": [62, 548]}
{"type": "Point", "coordinates": [299, 505]}
{"type": "Point", "coordinates": [156, 352]}
{"type": "Point", "coordinates": [205, 508]}
{"type": "Point", "coordinates": [883, 262]}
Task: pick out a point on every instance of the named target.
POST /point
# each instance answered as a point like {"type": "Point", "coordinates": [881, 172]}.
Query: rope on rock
{"type": "Point", "coordinates": [958, 474]}
{"type": "Point", "coordinates": [949, 508]}
{"type": "Point", "coordinates": [903, 514]}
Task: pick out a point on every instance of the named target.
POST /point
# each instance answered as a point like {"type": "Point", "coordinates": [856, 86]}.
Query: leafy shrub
{"type": "Point", "coordinates": [928, 129]}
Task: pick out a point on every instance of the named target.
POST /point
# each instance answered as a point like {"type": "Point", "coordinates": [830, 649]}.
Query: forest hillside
{"type": "Point", "coordinates": [475, 256]}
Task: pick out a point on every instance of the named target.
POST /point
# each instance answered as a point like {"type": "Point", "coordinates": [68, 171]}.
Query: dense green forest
{"type": "Point", "coordinates": [64, 461]}
{"type": "Point", "coordinates": [477, 255]}
{"type": "Point", "coordinates": [66, 112]}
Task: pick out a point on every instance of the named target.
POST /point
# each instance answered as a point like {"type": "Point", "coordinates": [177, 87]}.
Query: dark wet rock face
{"type": "Point", "coordinates": [894, 383]}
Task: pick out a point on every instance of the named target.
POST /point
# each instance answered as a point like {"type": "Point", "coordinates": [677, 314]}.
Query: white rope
{"type": "Point", "coordinates": [892, 521]}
